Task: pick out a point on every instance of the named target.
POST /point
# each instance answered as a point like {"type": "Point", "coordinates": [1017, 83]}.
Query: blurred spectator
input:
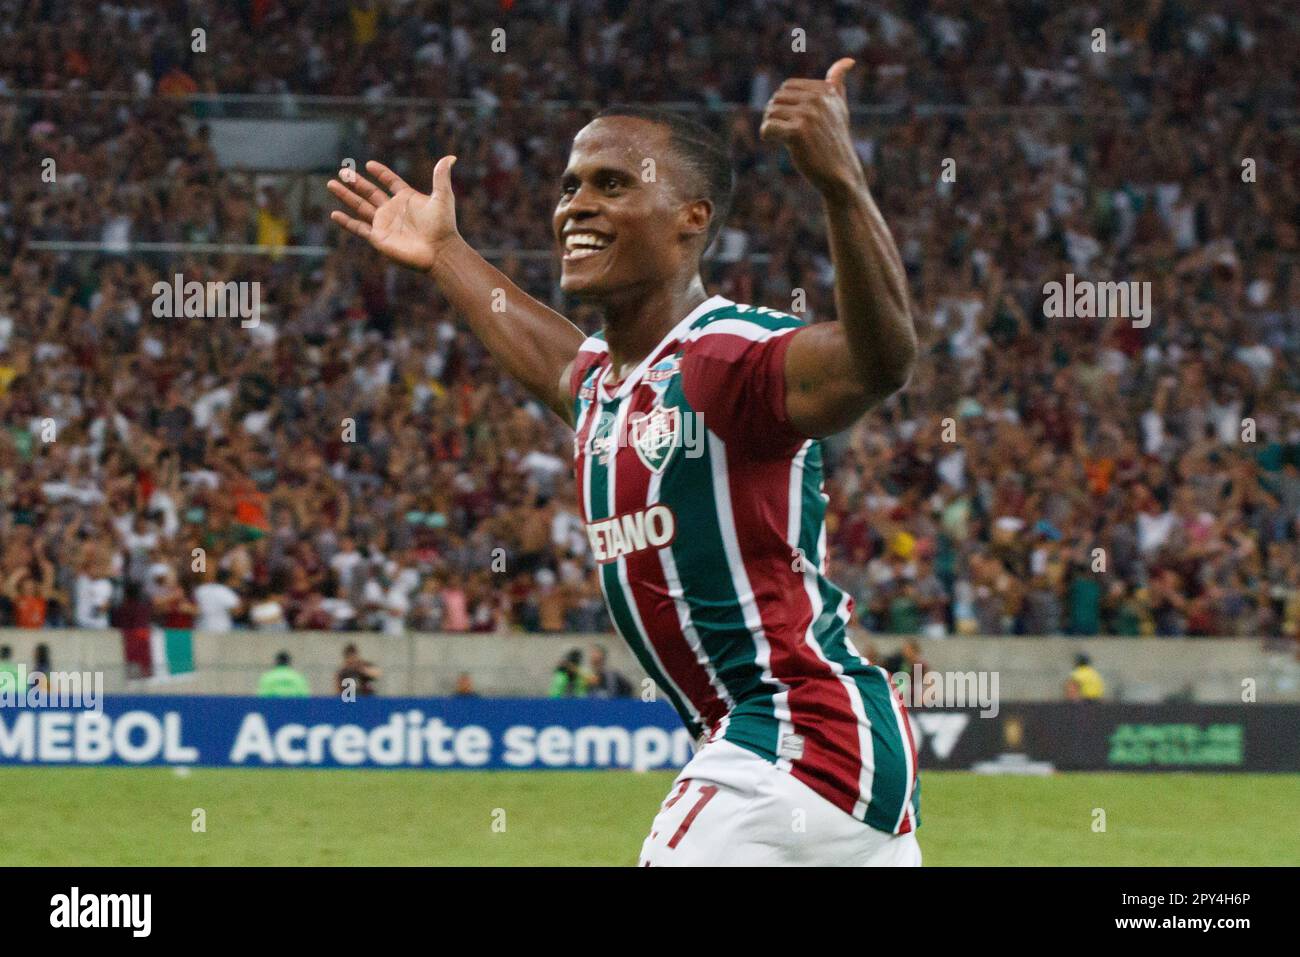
{"type": "Point", "coordinates": [41, 667]}
{"type": "Point", "coordinates": [216, 602]}
{"type": "Point", "coordinates": [11, 675]}
{"type": "Point", "coordinates": [569, 680]}
{"type": "Point", "coordinates": [94, 593]}
{"type": "Point", "coordinates": [906, 659]}
{"type": "Point", "coordinates": [602, 680]}
{"type": "Point", "coordinates": [1085, 682]}
{"type": "Point", "coordinates": [357, 676]}
{"type": "Point", "coordinates": [283, 681]}
{"type": "Point", "coordinates": [465, 686]}
{"type": "Point", "coordinates": [267, 612]}
{"type": "Point", "coordinates": [134, 616]}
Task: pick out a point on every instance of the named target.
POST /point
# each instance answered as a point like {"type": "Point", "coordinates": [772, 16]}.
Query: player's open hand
{"type": "Point", "coordinates": [406, 226]}
{"type": "Point", "coordinates": [811, 117]}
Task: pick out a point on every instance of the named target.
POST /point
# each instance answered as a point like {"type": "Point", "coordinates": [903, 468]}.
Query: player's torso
{"type": "Point", "coordinates": [710, 559]}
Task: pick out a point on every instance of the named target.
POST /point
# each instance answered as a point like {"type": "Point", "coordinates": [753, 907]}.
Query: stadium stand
{"type": "Point", "coordinates": [973, 503]}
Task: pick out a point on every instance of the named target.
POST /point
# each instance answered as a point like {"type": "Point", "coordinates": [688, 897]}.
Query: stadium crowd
{"type": "Point", "coordinates": [355, 461]}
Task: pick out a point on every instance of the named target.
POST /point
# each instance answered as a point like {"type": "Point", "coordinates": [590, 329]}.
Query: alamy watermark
{"type": "Point", "coordinates": [83, 690]}
{"type": "Point", "coordinates": [74, 909]}
{"type": "Point", "coordinates": [208, 300]}
{"type": "Point", "coordinates": [1085, 299]}
{"type": "Point", "coordinates": [926, 688]}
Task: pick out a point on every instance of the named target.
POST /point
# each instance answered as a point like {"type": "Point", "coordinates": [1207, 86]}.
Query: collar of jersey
{"type": "Point", "coordinates": [628, 384]}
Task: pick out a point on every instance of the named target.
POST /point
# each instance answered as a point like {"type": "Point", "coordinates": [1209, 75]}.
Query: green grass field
{"type": "Point", "coordinates": [142, 816]}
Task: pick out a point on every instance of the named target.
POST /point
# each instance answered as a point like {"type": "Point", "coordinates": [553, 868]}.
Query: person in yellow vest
{"type": "Point", "coordinates": [273, 223]}
{"type": "Point", "coordinates": [365, 21]}
{"type": "Point", "coordinates": [1085, 682]}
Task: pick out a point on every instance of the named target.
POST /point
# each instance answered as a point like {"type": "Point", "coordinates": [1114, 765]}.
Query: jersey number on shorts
{"type": "Point", "coordinates": [706, 795]}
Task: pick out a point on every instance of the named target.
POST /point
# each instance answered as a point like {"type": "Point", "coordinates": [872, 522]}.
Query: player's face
{"type": "Point", "coordinates": [619, 223]}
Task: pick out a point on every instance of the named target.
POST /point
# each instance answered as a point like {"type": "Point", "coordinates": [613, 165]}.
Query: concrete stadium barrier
{"type": "Point", "coordinates": [1147, 670]}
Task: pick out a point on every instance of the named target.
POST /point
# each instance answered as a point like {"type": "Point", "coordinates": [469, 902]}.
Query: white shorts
{"type": "Point", "coordinates": [731, 808]}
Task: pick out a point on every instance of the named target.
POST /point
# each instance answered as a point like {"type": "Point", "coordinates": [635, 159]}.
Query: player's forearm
{"type": "Point", "coordinates": [532, 342]}
{"type": "Point", "coordinates": [871, 300]}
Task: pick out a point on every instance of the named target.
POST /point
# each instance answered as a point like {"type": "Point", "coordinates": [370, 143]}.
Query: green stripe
{"type": "Point", "coordinates": [615, 599]}
{"type": "Point", "coordinates": [889, 783]}
{"type": "Point", "coordinates": [178, 644]}
{"type": "Point", "coordinates": [710, 594]}
{"type": "Point", "coordinates": [770, 319]}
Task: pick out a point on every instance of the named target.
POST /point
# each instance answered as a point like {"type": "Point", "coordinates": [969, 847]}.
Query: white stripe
{"type": "Point", "coordinates": [628, 596]}
{"type": "Point", "coordinates": [160, 667]}
{"type": "Point", "coordinates": [744, 592]}
{"type": "Point", "coordinates": [811, 580]}
{"type": "Point", "coordinates": [675, 590]}
{"type": "Point", "coordinates": [744, 328]}
{"type": "Point", "coordinates": [711, 304]}
{"type": "Point", "coordinates": [592, 344]}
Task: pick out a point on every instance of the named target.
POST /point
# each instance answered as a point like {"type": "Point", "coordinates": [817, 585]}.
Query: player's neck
{"type": "Point", "coordinates": [636, 326]}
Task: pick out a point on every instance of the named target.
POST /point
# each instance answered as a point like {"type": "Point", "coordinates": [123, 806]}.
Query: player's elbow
{"type": "Point", "coordinates": [891, 373]}
{"type": "Point", "coordinates": [895, 378]}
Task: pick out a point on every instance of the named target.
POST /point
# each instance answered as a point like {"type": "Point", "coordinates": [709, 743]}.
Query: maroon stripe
{"type": "Point", "coordinates": [582, 362]}
{"type": "Point", "coordinates": [820, 707]}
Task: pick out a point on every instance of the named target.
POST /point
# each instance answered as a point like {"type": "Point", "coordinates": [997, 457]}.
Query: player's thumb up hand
{"type": "Point", "coordinates": [442, 176]}
{"type": "Point", "coordinates": [443, 200]}
{"type": "Point", "coordinates": [835, 75]}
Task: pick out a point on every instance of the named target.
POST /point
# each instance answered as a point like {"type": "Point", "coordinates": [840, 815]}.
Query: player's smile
{"type": "Point", "coordinates": [583, 243]}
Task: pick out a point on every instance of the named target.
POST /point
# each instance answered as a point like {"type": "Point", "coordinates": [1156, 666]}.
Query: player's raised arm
{"type": "Point", "coordinates": [533, 343]}
{"type": "Point", "coordinates": [836, 371]}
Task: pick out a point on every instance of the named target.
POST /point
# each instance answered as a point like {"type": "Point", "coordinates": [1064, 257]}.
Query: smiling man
{"type": "Point", "coordinates": [711, 554]}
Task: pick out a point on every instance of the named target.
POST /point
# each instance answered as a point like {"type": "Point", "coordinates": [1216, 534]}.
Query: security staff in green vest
{"type": "Point", "coordinates": [283, 681]}
{"type": "Point", "coordinates": [10, 674]}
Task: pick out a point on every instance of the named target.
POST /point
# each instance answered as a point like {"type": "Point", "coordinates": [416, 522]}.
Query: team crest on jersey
{"type": "Point", "coordinates": [655, 435]}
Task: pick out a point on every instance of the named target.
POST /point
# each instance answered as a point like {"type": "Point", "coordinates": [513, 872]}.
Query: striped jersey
{"type": "Point", "coordinates": [705, 512]}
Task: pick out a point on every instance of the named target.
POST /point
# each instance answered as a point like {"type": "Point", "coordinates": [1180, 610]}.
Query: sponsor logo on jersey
{"type": "Point", "coordinates": [661, 372]}
{"type": "Point", "coordinates": [613, 538]}
{"type": "Point", "coordinates": [656, 435]}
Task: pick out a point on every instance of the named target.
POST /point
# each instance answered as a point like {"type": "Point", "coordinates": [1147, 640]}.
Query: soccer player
{"type": "Point", "coordinates": [698, 463]}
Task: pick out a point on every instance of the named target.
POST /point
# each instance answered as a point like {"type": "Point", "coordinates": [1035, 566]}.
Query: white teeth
{"type": "Point", "coordinates": [584, 243]}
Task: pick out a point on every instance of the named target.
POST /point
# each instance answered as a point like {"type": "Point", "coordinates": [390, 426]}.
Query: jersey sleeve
{"type": "Point", "coordinates": [733, 374]}
{"type": "Point", "coordinates": [590, 353]}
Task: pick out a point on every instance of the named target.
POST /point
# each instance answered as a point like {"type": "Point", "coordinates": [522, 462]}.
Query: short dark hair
{"type": "Point", "coordinates": [282, 659]}
{"type": "Point", "coordinates": [704, 151]}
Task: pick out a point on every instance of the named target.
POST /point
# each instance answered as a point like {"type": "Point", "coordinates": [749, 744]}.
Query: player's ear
{"type": "Point", "coordinates": [695, 217]}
